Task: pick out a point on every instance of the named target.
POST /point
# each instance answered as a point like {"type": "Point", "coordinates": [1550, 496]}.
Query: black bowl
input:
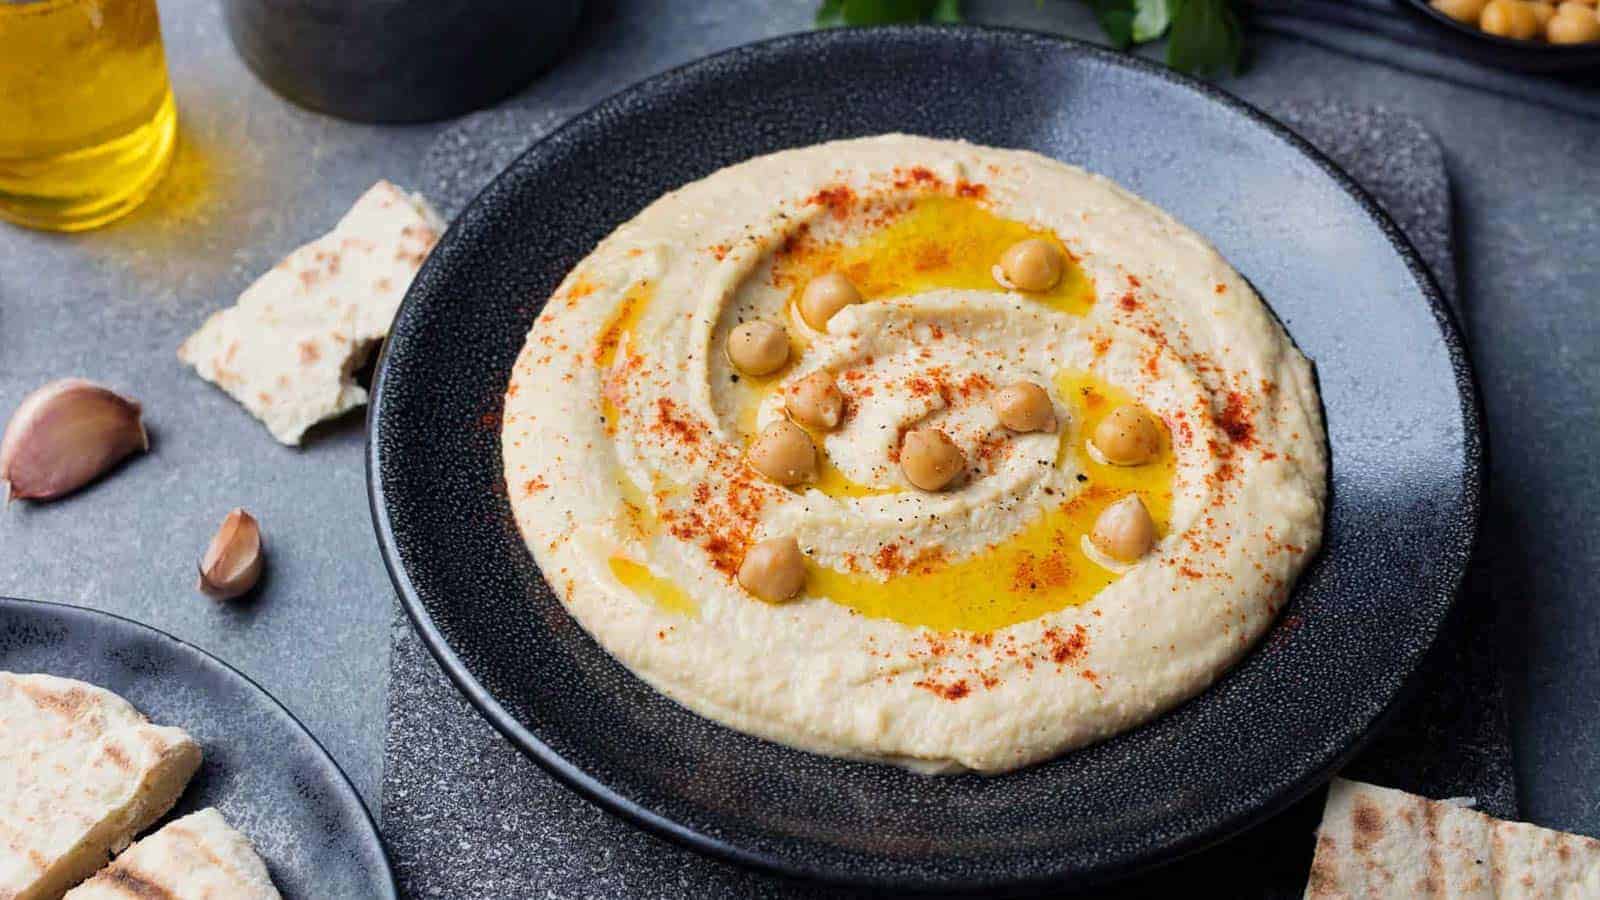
{"type": "Point", "coordinates": [1506, 53]}
{"type": "Point", "coordinates": [1402, 424]}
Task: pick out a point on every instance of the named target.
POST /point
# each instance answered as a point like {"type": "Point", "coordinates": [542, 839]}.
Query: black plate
{"type": "Point", "coordinates": [1402, 417]}
{"type": "Point", "coordinates": [265, 773]}
{"type": "Point", "coordinates": [1506, 53]}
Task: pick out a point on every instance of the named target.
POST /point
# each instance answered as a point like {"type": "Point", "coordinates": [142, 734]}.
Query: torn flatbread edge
{"type": "Point", "coordinates": [289, 349]}
{"type": "Point", "coordinates": [198, 855]}
{"type": "Point", "coordinates": [1379, 842]}
{"type": "Point", "coordinates": [85, 772]}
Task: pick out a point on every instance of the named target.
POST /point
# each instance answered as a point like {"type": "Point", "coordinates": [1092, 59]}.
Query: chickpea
{"type": "Point", "coordinates": [774, 570]}
{"type": "Point", "coordinates": [815, 401]}
{"type": "Point", "coordinates": [758, 348]}
{"type": "Point", "coordinates": [1024, 406]}
{"type": "Point", "coordinates": [1128, 436]}
{"type": "Point", "coordinates": [1032, 265]}
{"type": "Point", "coordinates": [1510, 19]}
{"type": "Point", "coordinates": [1467, 11]}
{"type": "Point", "coordinates": [930, 460]}
{"type": "Point", "coordinates": [1574, 23]}
{"type": "Point", "coordinates": [824, 296]}
{"type": "Point", "coordinates": [783, 453]}
{"type": "Point", "coordinates": [1124, 530]}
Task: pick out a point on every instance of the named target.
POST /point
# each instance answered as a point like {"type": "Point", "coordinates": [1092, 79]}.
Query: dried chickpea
{"type": "Point", "coordinates": [783, 453]}
{"type": "Point", "coordinates": [1127, 436]}
{"type": "Point", "coordinates": [824, 296]}
{"type": "Point", "coordinates": [758, 348]}
{"type": "Point", "coordinates": [1024, 406]}
{"type": "Point", "coordinates": [774, 570]}
{"type": "Point", "coordinates": [1032, 265]}
{"type": "Point", "coordinates": [1510, 19]}
{"type": "Point", "coordinates": [815, 401]}
{"type": "Point", "coordinates": [1573, 23]}
{"type": "Point", "coordinates": [930, 460]}
{"type": "Point", "coordinates": [1467, 11]}
{"type": "Point", "coordinates": [1124, 530]}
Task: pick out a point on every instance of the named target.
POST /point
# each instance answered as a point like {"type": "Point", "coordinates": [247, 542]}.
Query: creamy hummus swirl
{"type": "Point", "coordinates": [971, 628]}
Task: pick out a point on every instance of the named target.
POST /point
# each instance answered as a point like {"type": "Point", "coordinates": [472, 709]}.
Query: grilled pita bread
{"type": "Point", "coordinates": [197, 857]}
{"type": "Point", "coordinates": [289, 348]}
{"type": "Point", "coordinates": [81, 772]}
{"type": "Point", "coordinates": [1380, 843]}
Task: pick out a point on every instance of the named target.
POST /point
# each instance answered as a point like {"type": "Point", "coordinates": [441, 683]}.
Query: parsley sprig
{"type": "Point", "coordinates": [887, 12]}
{"type": "Point", "coordinates": [1203, 36]}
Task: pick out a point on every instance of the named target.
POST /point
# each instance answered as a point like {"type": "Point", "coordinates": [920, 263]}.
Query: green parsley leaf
{"type": "Point", "coordinates": [1116, 19]}
{"type": "Point", "coordinates": [831, 14]}
{"type": "Point", "coordinates": [1152, 19]}
{"type": "Point", "coordinates": [1202, 35]}
{"type": "Point", "coordinates": [1205, 37]}
{"type": "Point", "coordinates": [886, 12]}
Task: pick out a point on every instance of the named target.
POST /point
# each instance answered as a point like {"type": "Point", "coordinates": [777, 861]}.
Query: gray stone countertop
{"type": "Point", "coordinates": [256, 176]}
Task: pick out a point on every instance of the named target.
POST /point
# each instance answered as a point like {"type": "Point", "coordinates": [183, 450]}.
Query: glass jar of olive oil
{"type": "Point", "coordinates": [87, 122]}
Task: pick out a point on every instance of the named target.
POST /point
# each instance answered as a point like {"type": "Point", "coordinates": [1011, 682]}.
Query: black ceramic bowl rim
{"type": "Point", "coordinates": [1226, 822]}
{"type": "Point", "coordinates": [341, 780]}
{"type": "Point", "coordinates": [1554, 55]}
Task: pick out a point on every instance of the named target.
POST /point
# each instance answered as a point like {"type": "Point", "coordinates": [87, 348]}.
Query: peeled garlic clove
{"type": "Point", "coordinates": [232, 564]}
{"type": "Point", "coordinates": [65, 435]}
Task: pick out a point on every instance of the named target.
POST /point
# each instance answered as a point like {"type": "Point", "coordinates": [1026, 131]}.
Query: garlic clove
{"type": "Point", "coordinates": [65, 435]}
{"type": "Point", "coordinates": [232, 564]}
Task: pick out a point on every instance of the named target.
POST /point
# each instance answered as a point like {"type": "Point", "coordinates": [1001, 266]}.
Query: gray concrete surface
{"type": "Point", "coordinates": [255, 177]}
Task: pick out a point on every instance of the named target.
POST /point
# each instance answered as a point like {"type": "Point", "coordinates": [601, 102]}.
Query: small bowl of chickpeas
{"type": "Point", "coordinates": [1538, 35]}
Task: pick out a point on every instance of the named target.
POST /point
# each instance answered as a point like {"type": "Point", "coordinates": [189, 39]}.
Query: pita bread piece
{"type": "Point", "coordinates": [81, 773]}
{"type": "Point", "coordinates": [1380, 843]}
{"type": "Point", "coordinates": [197, 857]}
{"type": "Point", "coordinates": [289, 348]}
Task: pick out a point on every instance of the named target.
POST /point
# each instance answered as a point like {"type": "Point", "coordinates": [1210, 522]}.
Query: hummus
{"type": "Point", "coordinates": [971, 627]}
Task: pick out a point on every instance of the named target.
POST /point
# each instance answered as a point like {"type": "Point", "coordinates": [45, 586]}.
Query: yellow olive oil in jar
{"type": "Point", "coordinates": [87, 122]}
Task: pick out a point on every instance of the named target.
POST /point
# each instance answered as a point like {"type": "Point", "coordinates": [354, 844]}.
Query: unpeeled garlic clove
{"type": "Point", "coordinates": [65, 435]}
{"type": "Point", "coordinates": [232, 564]}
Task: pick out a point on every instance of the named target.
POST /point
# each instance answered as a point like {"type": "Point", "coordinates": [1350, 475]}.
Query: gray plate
{"type": "Point", "coordinates": [266, 774]}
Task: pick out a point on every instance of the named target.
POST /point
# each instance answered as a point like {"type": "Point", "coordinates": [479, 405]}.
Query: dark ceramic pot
{"type": "Point", "coordinates": [399, 60]}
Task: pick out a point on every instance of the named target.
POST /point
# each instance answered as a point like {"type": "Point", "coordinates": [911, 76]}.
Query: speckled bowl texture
{"type": "Point", "coordinates": [266, 774]}
{"type": "Point", "coordinates": [1403, 427]}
